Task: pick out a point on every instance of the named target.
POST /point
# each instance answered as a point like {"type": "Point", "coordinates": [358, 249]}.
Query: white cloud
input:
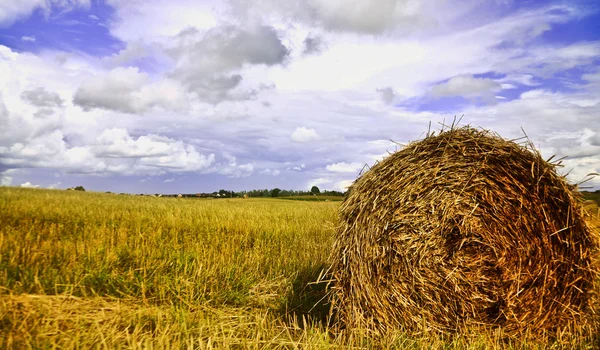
{"type": "Point", "coordinates": [314, 44]}
{"type": "Point", "coordinates": [116, 143]}
{"type": "Point", "coordinates": [13, 10]}
{"type": "Point", "coordinates": [467, 86]}
{"type": "Point", "coordinates": [148, 153]}
{"type": "Point", "coordinates": [532, 94]}
{"type": "Point", "coordinates": [299, 168]}
{"type": "Point", "coordinates": [303, 134]}
{"type": "Point", "coordinates": [387, 94]}
{"type": "Point", "coordinates": [523, 79]}
{"type": "Point", "coordinates": [29, 185]}
{"type": "Point", "coordinates": [272, 172]}
{"type": "Point", "coordinates": [166, 18]}
{"type": "Point", "coordinates": [113, 91]}
{"type": "Point", "coordinates": [204, 78]}
{"type": "Point", "coordinates": [232, 169]}
{"type": "Point", "coordinates": [5, 180]}
{"type": "Point", "coordinates": [343, 185]}
{"type": "Point", "coordinates": [132, 52]}
{"type": "Point", "coordinates": [210, 63]}
{"type": "Point", "coordinates": [318, 182]}
{"type": "Point", "coordinates": [54, 185]}
{"type": "Point", "coordinates": [356, 16]}
{"type": "Point", "coordinates": [246, 167]}
{"type": "Point", "coordinates": [330, 183]}
{"type": "Point", "coordinates": [169, 180]}
{"type": "Point", "coordinates": [344, 167]}
{"type": "Point", "coordinates": [113, 152]}
{"type": "Point", "coordinates": [367, 16]}
{"type": "Point", "coordinates": [28, 39]}
{"type": "Point", "coordinates": [40, 97]}
{"type": "Point", "coordinates": [129, 90]}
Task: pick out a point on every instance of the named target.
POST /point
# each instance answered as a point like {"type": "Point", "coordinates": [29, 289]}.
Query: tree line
{"type": "Point", "coordinates": [277, 192]}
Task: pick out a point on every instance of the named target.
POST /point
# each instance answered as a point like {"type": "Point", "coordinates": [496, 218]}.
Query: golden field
{"type": "Point", "coordinates": [95, 270]}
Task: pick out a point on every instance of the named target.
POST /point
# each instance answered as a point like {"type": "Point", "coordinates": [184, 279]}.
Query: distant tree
{"type": "Point", "coordinates": [332, 193]}
{"type": "Point", "coordinates": [79, 188]}
{"type": "Point", "coordinates": [315, 190]}
{"type": "Point", "coordinates": [275, 192]}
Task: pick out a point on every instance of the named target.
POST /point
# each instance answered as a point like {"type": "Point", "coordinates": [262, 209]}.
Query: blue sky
{"type": "Point", "coordinates": [84, 30]}
{"type": "Point", "coordinates": [194, 96]}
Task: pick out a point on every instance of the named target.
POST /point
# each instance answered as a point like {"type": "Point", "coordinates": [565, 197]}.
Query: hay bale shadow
{"type": "Point", "coordinates": [308, 299]}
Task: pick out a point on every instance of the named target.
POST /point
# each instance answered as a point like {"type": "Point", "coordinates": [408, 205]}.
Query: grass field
{"type": "Point", "coordinates": [314, 198]}
{"type": "Point", "coordinates": [593, 196]}
{"type": "Point", "coordinates": [94, 270]}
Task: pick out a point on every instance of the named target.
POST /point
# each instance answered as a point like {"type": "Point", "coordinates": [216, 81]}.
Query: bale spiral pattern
{"type": "Point", "coordinates": [463, 229]}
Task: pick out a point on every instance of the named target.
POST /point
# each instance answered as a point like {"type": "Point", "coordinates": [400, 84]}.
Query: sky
{"type": "Point", "coordinates": [186, 96]}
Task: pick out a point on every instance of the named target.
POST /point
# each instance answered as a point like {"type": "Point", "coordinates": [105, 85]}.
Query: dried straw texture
{"type": "Point", "coordinates": [459, 230]}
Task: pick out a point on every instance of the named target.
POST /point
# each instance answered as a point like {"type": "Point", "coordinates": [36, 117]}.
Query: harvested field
{"type": "Point", "coordinates": [92, 270]}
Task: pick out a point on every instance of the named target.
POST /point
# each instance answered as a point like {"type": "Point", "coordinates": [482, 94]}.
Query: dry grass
{"type": "Point", "coordinates": [90, 270]}
{"type": "Point", "coordinates": [465, 230]}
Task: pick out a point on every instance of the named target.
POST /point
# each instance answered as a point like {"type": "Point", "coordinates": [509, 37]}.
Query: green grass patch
{"type": "Point", "coordinates": [314, 198]}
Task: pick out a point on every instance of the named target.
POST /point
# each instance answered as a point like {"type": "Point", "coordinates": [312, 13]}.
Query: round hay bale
{"type": "Point", "coordinates": [459, 230]}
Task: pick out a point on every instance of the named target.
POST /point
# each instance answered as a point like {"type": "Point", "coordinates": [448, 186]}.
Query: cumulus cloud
{"type": "Point", "coordinates": [40, 97]}
{"type": "Point", "coordinates": [387, 95]}
{"type": "Point", "coordinates": [367, 16]}
{"type": "Point", "coordinates": [318, 182]}
{"type": "Point", "coordinates": [272, 172]}
{"type": "Point", "coordinates": [467, 86]}
{"type": "Point", "coordinates": [330, 183]}
{"type": "Point", "coordinates": [113, 91]}
{"type": "Point", "coordinates": [13, 10]}
{"type": "Point", "coordinates": [358, 16]}
{"type": "Point", "coordinates": [130, 91]}
{"type": "Point", "coordinates": [132, 52]}
{"type": "Point", "coordinates": [296, 168]}
{"type": "Point", "coordinates": [303, 134]}
{"type": "Point", "coordinates": [149, 153]}
{"type": "Point", "coordinates": [209, 63]}
{"type": "Point", "coordinates": [49, 150]}
{"type": "Point", "coordinates": [219, 69]}
{"type": "Point", "coordinates": [54, 185]}
{"type": "Point", "coordinates": [344, 167]}
{"type": "Point", "coordinates": [14, 128]}
{"type": "Point", "coordinates": [117, 143]}
{"type": "Point", "coordinates": [5, 180]}
{"type": "Point", "coordinates": [595, 139]}
{"type": "Point", "coordinates": [29, 185]}
{"type": "Point", "coordinates": [113, 152]}
{"type": "Point", "coordinates": [232, 169]}
{"type": "Point", "coordinates": [343, 185]}
{"type": "Point", "coordinates": [132, 18]}
{"type": "Point", "coordinates": [313, 44]}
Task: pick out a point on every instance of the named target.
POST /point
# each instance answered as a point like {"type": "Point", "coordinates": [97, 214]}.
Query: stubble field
{"type": "Point", "coordinates": [94, 270]}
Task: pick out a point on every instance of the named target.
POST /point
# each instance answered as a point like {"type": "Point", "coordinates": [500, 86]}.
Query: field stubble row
{"type": "Point", "coordinates": [89, 269]}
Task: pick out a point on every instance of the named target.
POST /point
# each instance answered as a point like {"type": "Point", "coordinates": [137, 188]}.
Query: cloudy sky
{"type": "Point", "coordinates": [149, 96]}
